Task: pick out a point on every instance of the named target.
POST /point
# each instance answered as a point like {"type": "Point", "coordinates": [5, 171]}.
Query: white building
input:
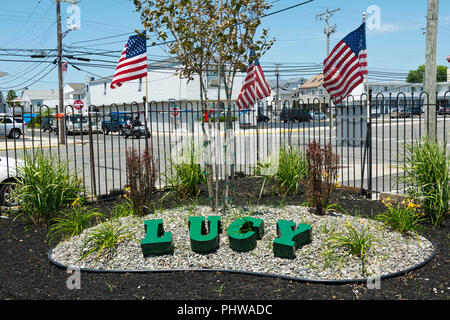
{"type": "Point", "coordinates": [163, 85]}
{"type": "Point", "coordinates": [32, 100]}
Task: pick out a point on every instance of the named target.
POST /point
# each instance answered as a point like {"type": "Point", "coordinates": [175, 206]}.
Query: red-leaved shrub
{"type": "Point", "coordinates": [141, 176]}
{"type": "Point", "coordinates": [322, 176]}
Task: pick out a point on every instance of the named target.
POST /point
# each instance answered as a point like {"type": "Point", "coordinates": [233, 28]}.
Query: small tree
{"type": "Point", "coordinates": [206, 33]}
{"type": "Point", "coordinates": [10, 97]}
{"type": "Point", "coordinates": [417, 76]}
{"type": "Point", "coordinates": [238, 23]}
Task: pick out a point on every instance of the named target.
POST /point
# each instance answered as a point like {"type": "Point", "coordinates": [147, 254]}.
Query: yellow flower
{"type": "Point", "coordinates": [387, 202]}
{"type": "Point", "coordinates": [75, 201]}
{"type": "Point", "coordinates": [412, 205]}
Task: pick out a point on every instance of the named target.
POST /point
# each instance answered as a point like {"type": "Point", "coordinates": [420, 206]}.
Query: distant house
{"type": "Point", "coordinates": [72, 92]}
{"type": "Point", "coordinates": [287, 88]}
{"type": "Point", "coordinates": [32, 100]}
{"type": "Point", "coordinates": [312, 94]}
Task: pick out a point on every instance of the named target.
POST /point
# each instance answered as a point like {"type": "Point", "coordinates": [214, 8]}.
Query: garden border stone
{"type": "Point", "coordinates": [305, 280]}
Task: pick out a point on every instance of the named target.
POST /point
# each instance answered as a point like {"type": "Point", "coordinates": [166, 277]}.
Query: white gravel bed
{"type": "Point", "coordinates": [394, 252]}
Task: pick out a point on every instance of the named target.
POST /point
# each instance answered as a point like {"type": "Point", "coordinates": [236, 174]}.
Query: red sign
{"type": "Point", "coordinates": [78, 104]}
{"type": "Point", "coordinates": [174, 112]}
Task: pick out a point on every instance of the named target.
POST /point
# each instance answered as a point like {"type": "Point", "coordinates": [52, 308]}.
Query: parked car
{"type": "Point", "coordinates": [317, 115]}
{"type": "Point", "coordinates": [262, 118]}
{"type": "Point", "coordinates": [8, 176]}
{"type": "Point", "coordinates": [114, 122]}
{"type": "Point", "coordinates": [289, 114]}
{"type": "Point", "coordinates": [408, 112]}
{"type": "Point", "coordinates": [76, 123]}
{"type": "Point", "coordinates": [48, 124]}
{"type": "Point", "coordinates": [11, 127]}
{"type": "Point", "coordinates": [136, 130]}
{"type": "Point", "coordinates": [444, 109]}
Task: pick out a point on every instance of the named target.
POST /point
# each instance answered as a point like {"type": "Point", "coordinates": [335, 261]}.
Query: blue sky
{"type": "Point", "coordinates": [396, 45]}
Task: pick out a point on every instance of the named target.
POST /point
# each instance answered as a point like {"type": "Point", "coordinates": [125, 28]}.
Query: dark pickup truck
{"type": "Point", "coordinates": [289, 114]}
{"type": "Point", "coordinates": [115, 122]}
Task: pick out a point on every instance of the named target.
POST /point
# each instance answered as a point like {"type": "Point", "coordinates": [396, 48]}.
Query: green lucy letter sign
{"type": "Point", "coordinates": [201, 241]}
{"type": "Point", "coordinates": [243, 234]}
{"type": "Point", "coordinates": [156, 241]}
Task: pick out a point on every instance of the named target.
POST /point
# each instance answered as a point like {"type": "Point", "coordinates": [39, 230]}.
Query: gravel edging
{"type": "Point", "coordinates": [61, 254]}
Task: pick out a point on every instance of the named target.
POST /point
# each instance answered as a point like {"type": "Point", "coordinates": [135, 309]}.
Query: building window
{"type": "Point", "coordinates": [140, 85]}
{"type": "Point", "coordinates": [320, 91]}
{"type": "Point", "coordinates": [104, 89]}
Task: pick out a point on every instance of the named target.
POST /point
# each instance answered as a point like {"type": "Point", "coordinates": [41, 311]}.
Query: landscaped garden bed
{"type": "Point", "coordinates": [389, 252]}
{"type": "Point", "coordinates": [292, 223]}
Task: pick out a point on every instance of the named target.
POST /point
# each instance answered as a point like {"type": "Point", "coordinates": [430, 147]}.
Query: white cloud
{"type": "Point", "coordinates": [386, 28]}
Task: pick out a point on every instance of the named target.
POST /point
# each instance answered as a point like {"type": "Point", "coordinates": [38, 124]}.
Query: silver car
{"type": "Point", "coordinates": [8, 176]}
{"type": "Point", "coordinates": [11, 127]}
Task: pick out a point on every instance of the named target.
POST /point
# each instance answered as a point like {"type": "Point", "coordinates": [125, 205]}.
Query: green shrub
{"type": "Point", "coordinates": [73, 221]}
{"type": "Point", "coordinates": [105, 236]}
{"type": "Point", "coordinates": [45, 186]}
{"type": "Point", "coordinates": [427, 178]}
{"type": "Point", "coordinates": [322, 176]}
{"type": "Point", "coordinates": [185, 174]}
{"type": "Point", "coordinates": [121, 209]}
{"type": "Point", "coordinates": [286, 171]}
{"type": "Point", "coordinates": [141, 174]}
{"type": "Point", "coordinates": [292, 168]}
{"type": "Point", "coordinates": [352, 241]}
{"type": "Point", "coordinates": [402, 217]}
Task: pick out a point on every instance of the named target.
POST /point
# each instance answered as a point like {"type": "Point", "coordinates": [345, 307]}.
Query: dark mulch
{"type": "Point", "coordinates": [27, 274]}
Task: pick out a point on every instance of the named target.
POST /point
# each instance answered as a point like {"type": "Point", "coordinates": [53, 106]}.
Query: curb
{"type": "Point", "coordinates": [270, 275]}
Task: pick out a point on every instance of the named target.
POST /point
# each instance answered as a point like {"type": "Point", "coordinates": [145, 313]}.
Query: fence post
{"type": "Point", "coordinates": [91, 153]}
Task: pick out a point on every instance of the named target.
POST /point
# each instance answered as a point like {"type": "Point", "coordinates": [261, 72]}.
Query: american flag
{"type": "Point", "coordinates": [346, 65]}
{"type": "Point", "coordinates": [254, 86]}
{"type": "Point", "coordinates": [133, 62]}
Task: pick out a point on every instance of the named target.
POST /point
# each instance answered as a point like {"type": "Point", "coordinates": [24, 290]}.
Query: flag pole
{"type": "Point", "coordinates": [368, 144]}
{"type": "Point", "coordinates": [367, 78]}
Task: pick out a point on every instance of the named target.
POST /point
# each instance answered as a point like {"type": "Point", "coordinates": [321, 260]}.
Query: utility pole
{"type": "Point", "coordinates": [62, 129]}
{"type": "Point", "coordinates": [277, 74]}
{"type": "Point", "coordinates": [430, 67]}
{"type": "Point", "coordinates": [328, 31]}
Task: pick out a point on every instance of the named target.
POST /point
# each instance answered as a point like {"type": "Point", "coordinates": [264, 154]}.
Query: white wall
{"type": "Point", "coordinates": [162, 86]}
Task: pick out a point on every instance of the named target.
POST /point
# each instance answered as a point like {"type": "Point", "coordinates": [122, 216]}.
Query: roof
{"type": "Point", "coordinates": [40, 94]}
{"type": "Point", "coordinates": [76, 86]}
{"type": "Point", "coordinates": [314, 82]}
{"type": "Point", "coordinates": [291, 83]}
{"type": "Point", "coordinates": [171, 62]}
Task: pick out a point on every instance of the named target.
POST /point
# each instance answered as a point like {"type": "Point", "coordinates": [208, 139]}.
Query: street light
{"type": "Point", "coordinates": [74, 27]}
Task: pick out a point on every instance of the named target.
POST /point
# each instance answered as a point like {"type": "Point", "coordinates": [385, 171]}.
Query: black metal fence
{"type": "Point", "coordinates": [368, 140]}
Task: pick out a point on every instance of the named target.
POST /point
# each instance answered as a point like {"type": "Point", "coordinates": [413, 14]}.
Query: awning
{"type": "Point", "coordinates": [19, 100]}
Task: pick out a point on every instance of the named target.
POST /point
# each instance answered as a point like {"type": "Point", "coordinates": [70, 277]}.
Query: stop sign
{"type": "Point", "coordinates": [174, 112]}
{"type": "Point", "coordinates": [78, 104]}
